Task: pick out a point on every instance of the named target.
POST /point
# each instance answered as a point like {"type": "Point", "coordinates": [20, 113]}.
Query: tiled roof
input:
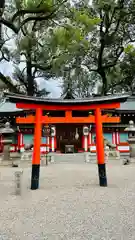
{"type": "Point", "coordinates": [8, 107]}
{"type": "Point", "coordinates": [129, 105]}
{"type": "Point", "coordinates": [93, 100]}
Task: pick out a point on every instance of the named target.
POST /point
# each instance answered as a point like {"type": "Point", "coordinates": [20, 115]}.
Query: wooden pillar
{"type": "Point", "coordinates": [53, 139]}
{"type": "Point", "coordinates": [89, 140]}
{"type": "Point", "coordinates": [117, 138]}
{"type": "Point", "coordinates": [52, 144]}
{"type": "Point", "coordinates": [18, 141]}
{"type": "Point", "coordinates": [113, 138]}
{"type": "Point", "coordinates": [36, 150]}
{"type": "Point", "coordinates": [1, 144]}
{"type": "Point", "coordinates": [100, 148]}
{"type": "Point", "coordinates": [55, 143]}
{"type": "Point", "coordinates": [48, 144]}
{"type": "Point", "coordinates": [85, 138]}
{"type": "Point", "coordinates": [20, 145]}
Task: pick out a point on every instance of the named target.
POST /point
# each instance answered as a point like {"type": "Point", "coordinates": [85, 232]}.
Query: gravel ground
{"type": "Point", "coordinates": [69, 205]}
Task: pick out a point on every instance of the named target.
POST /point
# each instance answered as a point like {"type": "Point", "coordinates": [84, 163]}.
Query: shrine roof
{"type": "Point", "coordinates": [129, 105]}
{"type": "Point", "coordinates": [8, 107]}
{"type": "Point", "coordinates": [17, 98]}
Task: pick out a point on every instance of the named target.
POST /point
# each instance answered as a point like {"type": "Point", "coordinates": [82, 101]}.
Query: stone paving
{"type": "Point", "coordinates": [69, 205]}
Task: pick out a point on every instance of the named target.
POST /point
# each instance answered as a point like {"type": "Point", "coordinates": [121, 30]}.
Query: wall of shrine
{"type": "Point", "coordinates": [84, 143]}
{"type": "Point", "coordinates": [28, 139]}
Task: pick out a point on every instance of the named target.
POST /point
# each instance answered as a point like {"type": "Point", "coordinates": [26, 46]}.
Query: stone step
{"type": "Point", "coordinates": [69, 158]}
{"type": "Point", "coordinates": [82, 157]}
{"type": "Point", "coordinates": [56, 158]}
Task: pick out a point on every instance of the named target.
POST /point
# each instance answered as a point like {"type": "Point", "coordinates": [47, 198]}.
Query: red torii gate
{"type": "Point", "coordinates": [39, 104]}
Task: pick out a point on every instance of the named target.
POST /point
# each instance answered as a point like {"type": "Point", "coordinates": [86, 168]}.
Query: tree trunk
{"type": "Point", "coordinates": [0, 31]}
{"type": "Point", "coordinates": [104, 81]}
{"type": "Point", "coordinates": [101, 70]}
{"type": "Point", "coordinates": [30, 79]}
{"type": "Point", "coordinates": [2, 5]}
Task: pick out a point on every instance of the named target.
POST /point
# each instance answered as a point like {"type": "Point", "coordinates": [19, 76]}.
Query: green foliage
{"type": "Point", "coordinates": [34, 4]}
{"type": "Point", "coordinates": [106, 27]}
{"type": "Point", "coordinates": [95, 41]}
{"type": "Point", "coordinates": [26, 42]}
{"type": "Point", "coordinates": [29, 19]}
{"type": "Point", "coordinates": [70, 39]}
{"type": "Point", "coordinates": [84, 19]}
{"type": "Point", "coordinates": [75, 32]}
{"type": "Point", "coordinates": [19, 4]}
{"type": "Point", "coordinates": [130, 49]}
{"type": "Point", "coordinates": [105, 4]}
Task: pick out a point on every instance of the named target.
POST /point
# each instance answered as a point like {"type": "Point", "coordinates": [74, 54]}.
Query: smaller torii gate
{"type": "Point", "coordinates": [39, 104]}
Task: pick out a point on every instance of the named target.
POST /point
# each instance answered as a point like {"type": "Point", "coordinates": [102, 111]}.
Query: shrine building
{"type": "Point", "coordinates": [80, 134]}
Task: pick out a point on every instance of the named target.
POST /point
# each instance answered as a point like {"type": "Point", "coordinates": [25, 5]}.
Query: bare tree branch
{"type": "Point", "coordinates": [116, 60]}
{"type": "Point", "coordinates": [8, 83]}
{"type": "Point", "coordinates": [37, 18]}
{"type": "Point", "coordinates": [9, 24]}
{"type": "Point", "coordinates": [22, 12]}
{"type": "Point", "coordinates": [37, 10]}
{"type": "Point", "coordinates": [43, 68]}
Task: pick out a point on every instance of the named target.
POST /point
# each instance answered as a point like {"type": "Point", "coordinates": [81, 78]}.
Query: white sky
{"type": "Point", "coordinates": [53, 86]}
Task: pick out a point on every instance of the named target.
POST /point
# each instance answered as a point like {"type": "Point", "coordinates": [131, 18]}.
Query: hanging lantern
{"type": "Point", "coordinates": [85, 131]}
{"type": "Point", "coordinates": [76, 134]}
{"type": "Point", "coordinates": [46, 131]}
{"type": "Point", "coordinates": [53, 131]}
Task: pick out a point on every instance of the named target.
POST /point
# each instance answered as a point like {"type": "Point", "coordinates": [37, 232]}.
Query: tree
{"type": "Point", "coordinates": [57, 39]}
{"type": "Point", "coordinates": [30, 52]}
{"type": "Point", "coordinates": [70, 46]}
{"type": "Point", "coordinates": [68, 90]}
{"type": "Point", "coordinates": [121, 78]}
{"type": "Point", "coordinates": [23, 12]}
{"type": "Point", "coordinates": [27, 19]}
{"type": "Point", "coordinates": [6, 83]}
{"type": "Point", "coordinates": [127, 67]}
{"type": "Point", "coordinates": [100, 32]}
{"type": "Point", "coordinates": [81, 83]}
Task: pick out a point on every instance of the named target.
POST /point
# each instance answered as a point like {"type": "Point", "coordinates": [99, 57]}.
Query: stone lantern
{"type": "Point", "coordinates": [131, 138]}
{"type": "Point", "coordinates": [7, 133]}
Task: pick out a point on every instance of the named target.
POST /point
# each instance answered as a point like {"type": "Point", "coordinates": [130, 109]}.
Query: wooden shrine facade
{"type": "Point", "coordinates": [65, 130]}
{"type": "Point", "coordinates": [113, 131]}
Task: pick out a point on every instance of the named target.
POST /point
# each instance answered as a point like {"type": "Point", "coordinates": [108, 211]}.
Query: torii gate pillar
{"type": "Point", "coordinates": [100, 148]}
{"type": "Point", "coordinates": [36, 150]}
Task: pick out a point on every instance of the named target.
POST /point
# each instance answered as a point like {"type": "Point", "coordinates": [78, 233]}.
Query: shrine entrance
{"type": "Point", "coordinates": [40, 104]}
{"type": "Point", "coordinates": [66, 134]}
